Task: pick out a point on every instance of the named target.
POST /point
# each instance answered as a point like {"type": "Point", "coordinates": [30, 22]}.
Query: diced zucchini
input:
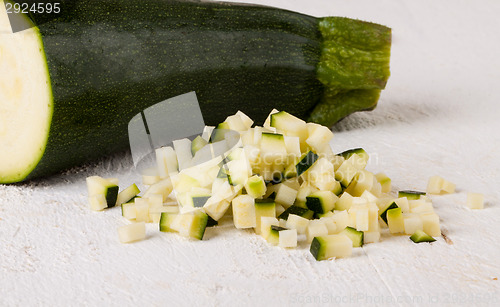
{"type": "Point", "coordinates": [297, 222]}
{"type": "Point", "coordinates": [244, 212]}
{"type": "Point", "coordinates": [344, 202]}
{"type": "Point", "coordinates": [290, 171]}
{"type": "Point", "coordinates": [305, 162]}
{"type": "Point", "coordinates": [267, 122]}
{"type": "Point", "coordinates": [183, 183]}
{"type": "Point", "coordinates": [448, 187]}
{"type": "Point", "coordinates": [346, 172]}
{"type": "Point", "coordinates": [247, 121]}
{"type": "Point", "coordinates": [384, 181]}
{"type": "Point", "coordinates": [410, 195]}
{"type": "Point", "coordinates": [330, 224]}
{"type": "Point", "coordinates": [359, 151]}
{"type": "Point", "coordinates": [361, 182]}
{"type": "Point", "coordinates": [191, 224]}
{"type": "Point", "coordinates": [255, 186]}
{"type": "Point", "coordinates": [127, 195]}
{"type": "Point", "coordinates": [216, 208]}
{"type": "Point", "coordinates": [371, 237]}
{"type": "Point", "coordinates": [98, 202]}
{"type": "Point", "coordinates": [341, 219]}
{"type": "Point", "coordinates": [357, 237]}
{"type": "Point", "coordinates": [263, 208]}
{"type": "Point", "coordinates": [132, 233]}
{"type": "Point", "coordinates": [289, 124]}
{"type": "Point", "coordinates": [265, 225]}
{"type": "Point", "coordinates": [369, 197]}
{"type": "Point", "coordinates": [326, 214]}
{"type": "Point", "coordinates": [279, 209]}
{"type": "Point", "coordinates": [303, 212]}
{"type": "Point", "coordinates": [430, 224]}
{"type": "Point", "coordinates": [274, 234]}
{"type": "Point", "coordinates": [288, 238]}
{"type": "Point", "coordinates": [434, 185]}
{"type": "Point", "coordinates": [403, 203]}
{"type": "Point", "coordinates": [166, 221]}
{"type": "Point", "coordinates": [292, 183]}
{"type": "Point", "coordinates": [99, 186]}
{"type": "Point", "coordinates": [326, 247]}
{"type": "Point", "coordinates": [383, 215]}
{"type": "Point", "coordinates": [420, 206]}
{"type": "Point", "coordinates": [327, 182]}
{"type": "Point", "coordinates": [235, 122]}
{"type": "Point", "coordinates": [285, 195]}
{"type": "Point", "coordinates": [475, 200]}
{"type": "Point", "coordinates": [219, 132]}
{"type": "Point", "coordinates": [142, 210]}
{"type": "Point", "coordinates": [272, 149]}
{"type": "Point", "coordinates": [305, 190]}
{"type": "Point", "coordinates": [163, 187]}
{"type": "Point", "coordinates": [412, 223]}
{"type": "Point", "coordinates": [166, 160]}
{"type": "Point", "coordinates": [128, 210]}
{"type": "Point", "coordinates": [292, 144]}
{"type": "Point", "coordinates": [318, 137]}
{"type": "Point", "coordinates": [321, 202]}
{"type": "Point", "coordinates": [361, 217]}
{"type": "Point", "coordinates": [197, 144]}
{"type": "Point", "coordinates": [316, 228]}
{"type": "Point", "coordinates": [395, 220]}
{"type": "Point", "coordinates": [420, 236]}
{"type": "Point", "coordinates": [239, 171]}
{"type": "Point", "coordinates": [150, 176]}
{"type": "Point", "coordinates": [438, 185]}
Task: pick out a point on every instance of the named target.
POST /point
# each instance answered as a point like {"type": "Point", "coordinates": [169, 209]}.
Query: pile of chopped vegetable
{"type": "Point", "coordinates": [282, 180]}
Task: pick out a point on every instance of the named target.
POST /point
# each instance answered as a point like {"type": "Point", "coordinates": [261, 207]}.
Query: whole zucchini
{"type": "Point", "coordinates": [69, 86]}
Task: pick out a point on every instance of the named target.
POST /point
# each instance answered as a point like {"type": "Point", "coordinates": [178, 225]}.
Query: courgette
{"type": "Point", "coordinates": [99, 63]}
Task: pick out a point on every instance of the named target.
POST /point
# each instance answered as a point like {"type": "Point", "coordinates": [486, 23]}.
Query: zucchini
{"type": "Point", "coordinates": [326, 247]}
{"type": "Point", "coordinates": [305, 162]}
{"type": "Point", "coordinates": [420, 236]}
{"type": "Point", "coordinates": [321, 202]}
{"type": "Point", "coordinates": [98, 186]}
{"type": "Point", "coordinates": [383, 215]}
{"type": "Point", "coordinates": [356, 236]}
{"type": "Point", "coordinates": [303, 212]}
{"type": "Point", "coordinates": [99, 63]}
{"type": "Point", "coordinates": [263, 208]}
{"type": "Point", "coordinates": [410, 195]}
{"type": "Point", "coordinates": [127, 195]}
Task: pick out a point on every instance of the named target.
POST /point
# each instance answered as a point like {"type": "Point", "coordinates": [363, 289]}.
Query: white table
{"type": "Point", "coordinates": [438, 115]}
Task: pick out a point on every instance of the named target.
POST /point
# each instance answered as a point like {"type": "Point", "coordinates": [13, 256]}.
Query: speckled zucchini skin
{"type": "Point", "coordinates": [108, 60]}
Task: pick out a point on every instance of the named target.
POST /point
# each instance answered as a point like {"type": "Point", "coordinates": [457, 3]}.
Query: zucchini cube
{"type": "Point", "coordinates": [288, 238]}
{"type": "Point", "coordinates": [244, 212]}
{"type": "Point", "coordinates": [321, 202]}
{"type": "Point", "coordinates": [330, 246]}
{"type": "Point", "coordinates": [263, 208]}
{"type": "Point", "coordinates": [315, 228]}
{"type": "Point", "coordinates": [475, 200]}
{"type": "Point", "coordinates": [132, 233]}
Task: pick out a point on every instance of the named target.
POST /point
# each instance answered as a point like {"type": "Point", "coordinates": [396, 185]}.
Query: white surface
{"type": "Point", "coordinates": [438, 115]}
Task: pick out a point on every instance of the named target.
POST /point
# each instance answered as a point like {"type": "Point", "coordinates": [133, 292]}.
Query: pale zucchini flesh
{"type": "Point", "coordinates": [26, 101]}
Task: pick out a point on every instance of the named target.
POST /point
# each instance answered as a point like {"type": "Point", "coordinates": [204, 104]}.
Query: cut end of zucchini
{"type": "Point", "coordinates": [25, 100]}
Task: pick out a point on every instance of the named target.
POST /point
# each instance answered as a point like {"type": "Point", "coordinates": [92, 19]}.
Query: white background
{"type": "Point", "coordinates": [438, 115]}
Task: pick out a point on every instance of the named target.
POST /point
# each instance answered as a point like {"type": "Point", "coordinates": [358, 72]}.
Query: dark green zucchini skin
{"type": "Point", "coordinates": [108, 60]}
